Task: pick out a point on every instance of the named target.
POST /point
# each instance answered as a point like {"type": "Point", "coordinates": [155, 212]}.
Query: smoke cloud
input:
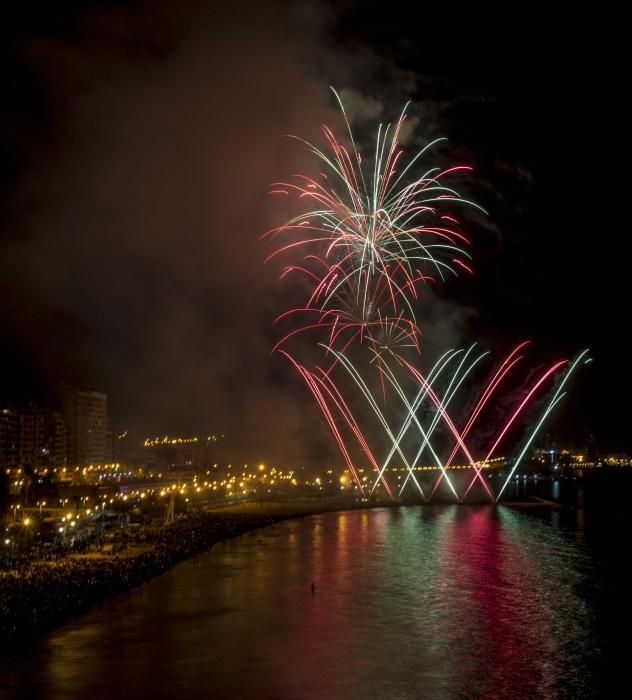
{"type": "Point", "coordinates": [132, 261]}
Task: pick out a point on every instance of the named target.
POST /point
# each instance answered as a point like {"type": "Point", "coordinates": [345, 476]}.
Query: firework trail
{"type": "Point", "coordinates": [371, 232]}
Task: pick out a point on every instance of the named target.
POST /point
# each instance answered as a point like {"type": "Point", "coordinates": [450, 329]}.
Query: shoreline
{"type": "Point", "coordinates": [38, 596]}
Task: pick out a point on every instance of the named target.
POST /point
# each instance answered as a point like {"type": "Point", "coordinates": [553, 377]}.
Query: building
{"type": "Point", "coordinates": [85, 415]}
{"type": "Point", "coordinates": [56, 440]}
{"type": "Point", "coordinates": [31, 437]}
{"type": "Point", "coordinates": [9, 438]}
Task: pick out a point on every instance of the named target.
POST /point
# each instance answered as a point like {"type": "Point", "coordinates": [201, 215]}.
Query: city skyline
{"type": "Point", "coordinates": [314, 378]}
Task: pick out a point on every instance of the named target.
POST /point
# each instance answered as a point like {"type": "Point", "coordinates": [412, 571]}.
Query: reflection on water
{"type": "Point", "coordinates": [432, 602]}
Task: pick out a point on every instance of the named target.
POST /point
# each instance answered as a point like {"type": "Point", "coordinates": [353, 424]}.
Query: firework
{"type": "Point", "coordinates": [371, 232]}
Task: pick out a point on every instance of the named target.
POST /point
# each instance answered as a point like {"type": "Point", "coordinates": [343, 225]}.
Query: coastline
{"type": "Point", "coordinates": [38, 596]}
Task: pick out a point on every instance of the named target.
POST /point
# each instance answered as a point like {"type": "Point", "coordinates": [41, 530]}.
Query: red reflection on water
{"type": "Point", "coordinates": [502, 578]}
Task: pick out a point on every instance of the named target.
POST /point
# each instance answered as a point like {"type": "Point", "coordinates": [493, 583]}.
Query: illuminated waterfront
{"type": "Point", "coordinates": [431, 601]}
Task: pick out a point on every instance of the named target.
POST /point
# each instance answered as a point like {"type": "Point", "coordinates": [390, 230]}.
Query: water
{"type": "Point", "coordinates": [415, 602]}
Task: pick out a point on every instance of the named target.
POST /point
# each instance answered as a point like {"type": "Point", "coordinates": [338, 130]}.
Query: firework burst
{"type": "Point", "coordinates": [371, 232]}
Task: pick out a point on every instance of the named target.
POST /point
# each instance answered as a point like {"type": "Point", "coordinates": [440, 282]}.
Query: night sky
{"type": "Point", "coordinates": [137, 144]}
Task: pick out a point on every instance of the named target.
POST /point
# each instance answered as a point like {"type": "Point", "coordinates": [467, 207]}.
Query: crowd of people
{"type": "Point", "coordinates": [35, 594]}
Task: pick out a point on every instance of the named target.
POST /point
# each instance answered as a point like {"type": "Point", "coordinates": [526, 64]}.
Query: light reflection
{"type": "Point", "coordinates": [437, 601]}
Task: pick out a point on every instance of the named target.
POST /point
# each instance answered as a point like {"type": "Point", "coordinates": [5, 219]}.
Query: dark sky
{"type": "Point", "coordinates": [137, 142]}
